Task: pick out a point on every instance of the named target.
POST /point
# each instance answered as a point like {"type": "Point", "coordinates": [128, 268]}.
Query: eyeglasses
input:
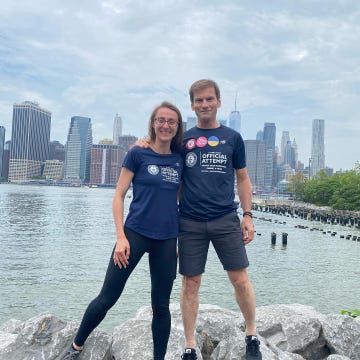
{"type": "Point", "coordinates": [161, 121]}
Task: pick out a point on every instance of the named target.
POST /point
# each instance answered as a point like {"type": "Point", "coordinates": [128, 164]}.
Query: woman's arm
{"type": "Point", "coordinates": [122, 249]}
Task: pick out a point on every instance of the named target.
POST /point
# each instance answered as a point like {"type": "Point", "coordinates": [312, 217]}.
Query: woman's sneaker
{"type": "Point", "coordinates": [253, 348]}
{"type": "Point", "coordinates": [189, 354]}
{"type": "Point", "coordinates": [70, 354]}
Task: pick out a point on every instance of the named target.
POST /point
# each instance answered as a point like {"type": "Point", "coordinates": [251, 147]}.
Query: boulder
{"type": "Point", "coordinates": [286, 332]}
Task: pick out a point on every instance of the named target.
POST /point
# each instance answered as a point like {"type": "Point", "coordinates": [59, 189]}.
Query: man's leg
{"type": "Point", "coordinates": [245, 297]}
{"type": "Point", "coordinates": [190, 307]}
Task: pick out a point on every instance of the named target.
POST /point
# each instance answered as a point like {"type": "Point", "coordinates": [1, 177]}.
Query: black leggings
{"type": "Point", "coordinates": [162, 263]}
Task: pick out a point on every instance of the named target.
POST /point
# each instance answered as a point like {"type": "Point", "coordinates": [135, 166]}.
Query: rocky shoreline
{"type": "Point", "coordinates": [286, 332]}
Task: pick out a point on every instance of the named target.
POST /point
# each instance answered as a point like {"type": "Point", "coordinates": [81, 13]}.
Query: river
{"type": "Point", "coordinates": [55, 243]}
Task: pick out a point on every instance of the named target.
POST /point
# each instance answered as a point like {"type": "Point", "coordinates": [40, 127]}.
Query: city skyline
{"type": "Point", "coordinates": [286, 63]}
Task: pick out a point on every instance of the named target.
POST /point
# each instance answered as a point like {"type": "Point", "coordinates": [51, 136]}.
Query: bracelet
{"type": "Point", "coordinates": [247, 213]}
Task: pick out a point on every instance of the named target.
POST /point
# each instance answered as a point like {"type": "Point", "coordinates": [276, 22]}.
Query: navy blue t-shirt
{"type": "Point", "coordinates": [210, 157]}
{"type": "Point", "coordinates": [153, 211]}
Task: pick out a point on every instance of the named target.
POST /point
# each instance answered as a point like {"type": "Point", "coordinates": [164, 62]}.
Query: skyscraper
{"type": "Point", "coordinates": [29, 141]}
{"type": "Point", "coordinates": [2, 144]}
{"type": "Point", "coordinates": [317, 147]}
{"type": "Point", "coordinates": [235, 119]}
{"type": "Point", "coordinates": [117, 130]}
{"type": "Point", "coordinates": [255, 162]}
{"type": "Point", "coordinates": [284, 140]}
{"type": "Point", "coordinates": [106, 163]}
{"type": "Point", "coordinates": [78, 150]}
{"type": "Point", "coordinates": [269, 139]}
{"type": "Point", "coordinates": [191, 121]}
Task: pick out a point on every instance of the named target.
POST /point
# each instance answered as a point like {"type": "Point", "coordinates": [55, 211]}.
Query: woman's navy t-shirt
{"type": "Point", "coordinates": [154, 210]}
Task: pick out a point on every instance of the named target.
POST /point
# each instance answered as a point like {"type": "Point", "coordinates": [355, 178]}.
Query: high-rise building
{"type": "Point", "coordinates": [125, 141]}
{"type": "Point", "coordinates": [260, 135]}
{"type": "Point", "coordinates": [2, 145]}
{"type": "Point", "coordinates": [235, 118]}
{"type": "Point", "coordinates": [117, 130]}
{"type": "Point", "coordinates": [57, 151]}
{"type": "Point", "coordinates": [30, 139]}
{"type": "Point", "coordinates": [269, 136]}
{"type": "Point", "coordinates": [255, 162]}
{"type": "Point", "coordinates": [78, 150]}
{"type": "Point", "coordinates": [191, 121]}
{"type": "Point", "coordinates": [284, 140]}
{"type": "Point", "coordinates": [6, 160]}
{"type": "Point", "coordinates": [317, 162]}
{"type": "Point", "coordinates": [53, 169]}
{"type": "Point", "coordinates": [106, 162]}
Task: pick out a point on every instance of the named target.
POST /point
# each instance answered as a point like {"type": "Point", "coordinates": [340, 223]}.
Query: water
{"type": "Point", "coordinates": [55, 244]}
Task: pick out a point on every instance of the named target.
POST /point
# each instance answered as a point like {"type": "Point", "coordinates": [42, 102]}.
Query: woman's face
{"type": "Point", "coordinates": [165, 124]}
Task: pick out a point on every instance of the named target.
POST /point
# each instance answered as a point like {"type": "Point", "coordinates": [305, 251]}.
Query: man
{"type": "Point", "coordinates": [214, 154]}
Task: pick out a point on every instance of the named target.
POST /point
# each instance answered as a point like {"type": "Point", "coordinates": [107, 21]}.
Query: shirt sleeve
{"type": "Point", "coordinates": [132, 159]}
{"type": "Point", "coordinates": [239, 158]}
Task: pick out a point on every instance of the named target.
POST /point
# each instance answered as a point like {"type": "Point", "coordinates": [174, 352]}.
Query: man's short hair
{"type": "Point", "coordinates": [203, 84]}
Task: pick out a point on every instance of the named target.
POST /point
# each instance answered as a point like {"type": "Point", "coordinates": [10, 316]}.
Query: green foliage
{"type": "Point", "coordinates": [351, 312]}
{"type": "Point", "coordinates": [339, 191]}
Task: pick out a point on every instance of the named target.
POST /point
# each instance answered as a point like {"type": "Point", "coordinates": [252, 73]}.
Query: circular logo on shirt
{"type": "Point", "coordinates": [190, 159]}
{"type": "Point", "coordinates": [153, 169]}
{"type": "Point", "coordinates": [213, 141]}
{"type": "Point", "coordinates": [190, 144]}
{"type": "Point", "coordinates": [201, 141]}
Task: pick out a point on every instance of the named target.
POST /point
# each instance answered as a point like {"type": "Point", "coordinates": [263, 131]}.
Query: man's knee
{"type": "Point", "coordinates": [239, 279]}
{"type": "Point", "coordinates": [191, 285]}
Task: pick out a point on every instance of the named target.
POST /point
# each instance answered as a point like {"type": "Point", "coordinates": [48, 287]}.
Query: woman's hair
{"type": "Point", "coordinates": [176, 142]}
{"type": "Point", "coordinates": [203, 84]}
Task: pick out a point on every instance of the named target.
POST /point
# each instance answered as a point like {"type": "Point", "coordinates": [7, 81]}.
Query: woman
{"type": "Point", "coordinates": [151, 226]}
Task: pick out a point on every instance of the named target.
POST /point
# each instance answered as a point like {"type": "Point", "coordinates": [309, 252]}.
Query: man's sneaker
{"type": "Point", "coordinates": [189, 354]}
{"type": "Point", "coordinates": [253, 348]}
{"type": "Point", "coordinates": [70, 354]}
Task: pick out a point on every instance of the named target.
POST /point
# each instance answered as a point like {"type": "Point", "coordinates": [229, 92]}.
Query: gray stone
{"type": "Point", "coordinates": [342, 335]}
{"type": "Point", "coordinates": [45, 337]}
{"type": "Point", "coordinates": [286, 332]}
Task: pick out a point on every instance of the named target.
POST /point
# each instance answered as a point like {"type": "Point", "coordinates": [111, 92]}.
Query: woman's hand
{"type": "Point", "coordinates": [122, 252]}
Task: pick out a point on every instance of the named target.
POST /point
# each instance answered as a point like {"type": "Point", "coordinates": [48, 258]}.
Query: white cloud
{"type": "Point", "coordinates": [288, 62]}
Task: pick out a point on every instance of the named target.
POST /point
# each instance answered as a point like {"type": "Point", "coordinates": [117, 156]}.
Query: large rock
{"type": "Point", "coordinates": [286, 332]}
{"type": "Point", "coordinates": [45, 337]}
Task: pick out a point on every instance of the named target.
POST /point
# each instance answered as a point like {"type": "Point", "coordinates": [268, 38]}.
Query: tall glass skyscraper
{"type": "Point", "coordinates": [269, 136]}
{"type": "Point", "coordinates": [78, 150]}
{"type": "Point", "coordinates": [255, 162]}
{"type": "Point", "coordinates": [235, 120]}
{"type": "Point", "coordinates": [2, 144]}
{"type": "Point", "coordinates": [117, 130]}
{"type": "Point", "coordinates": [317, 147]}
{"type": "Point", "coordinates": [30, 141]}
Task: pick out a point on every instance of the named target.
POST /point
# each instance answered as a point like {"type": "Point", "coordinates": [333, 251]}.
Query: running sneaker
{"type": "Point", "coordinates": [189, 354]}
{"type": "Point", "coordinates": [70, 354]}
{"type": "Point", "coordinates": [253, 348]}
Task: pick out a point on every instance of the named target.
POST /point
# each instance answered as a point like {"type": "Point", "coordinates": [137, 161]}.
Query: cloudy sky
{"type": "Point", "coordinates": [288, 62]}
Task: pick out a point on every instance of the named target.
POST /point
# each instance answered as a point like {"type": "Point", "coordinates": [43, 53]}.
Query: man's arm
{"type": "Point", "coordinates": [245, 197]}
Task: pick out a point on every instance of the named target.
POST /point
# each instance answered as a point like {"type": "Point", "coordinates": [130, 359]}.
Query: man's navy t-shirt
{"type": "Point", "coordinates": [210, 157]}
{"type": "Point", "coordinates": [153, 211]}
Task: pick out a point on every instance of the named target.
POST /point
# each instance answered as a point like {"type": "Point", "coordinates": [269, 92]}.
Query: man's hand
{"type": "Point", "coordinates": [247, 228]}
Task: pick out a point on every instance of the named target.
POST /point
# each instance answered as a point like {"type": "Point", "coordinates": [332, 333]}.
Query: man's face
{"type": "Point", "coordinates": [205, 104]}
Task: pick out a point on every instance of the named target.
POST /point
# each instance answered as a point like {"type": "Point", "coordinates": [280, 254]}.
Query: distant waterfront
{"type": "Point", "coordinates": [55, 243]}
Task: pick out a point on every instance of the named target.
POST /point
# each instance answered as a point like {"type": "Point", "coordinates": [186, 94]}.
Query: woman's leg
{"type": "Point", "coordinates": [114, 283]}
{"type": "Point", "coordinates": [162, 261]}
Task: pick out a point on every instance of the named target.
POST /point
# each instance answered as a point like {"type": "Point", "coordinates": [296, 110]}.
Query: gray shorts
{"type": "Point", "coordinates": [226, 237]}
